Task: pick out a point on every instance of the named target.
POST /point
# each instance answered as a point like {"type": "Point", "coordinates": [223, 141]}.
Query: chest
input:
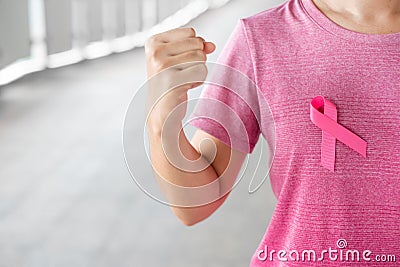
{"type": "Point", "coordinates": [364, 85]}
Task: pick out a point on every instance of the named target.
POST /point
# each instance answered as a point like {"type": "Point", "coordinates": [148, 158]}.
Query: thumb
{"type": "Point", "coordinates": [209, 47]}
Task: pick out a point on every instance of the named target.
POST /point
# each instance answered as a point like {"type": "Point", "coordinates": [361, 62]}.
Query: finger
{"type": "Point", "coordinates": [186, 65]}
{"type": "Point", "coordinates": [174, 35]}
{"type": "Point", "coordinates": [181, 46]}
{"type": "Point", "coordinates": [209, 47]}
{"type": "Point", "coordinates": [186, 58]}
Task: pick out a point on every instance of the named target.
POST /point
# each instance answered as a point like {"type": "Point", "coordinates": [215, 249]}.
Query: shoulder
{"type": "Point", "coordinates": [280, 19]}
{"type": "Point", "coordinates": [267, 15]}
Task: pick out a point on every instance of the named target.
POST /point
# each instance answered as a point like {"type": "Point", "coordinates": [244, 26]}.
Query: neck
{"type": "Point", "coordinates": [366, 16]}
{"type": "Point", "coordinates": [364, 8]}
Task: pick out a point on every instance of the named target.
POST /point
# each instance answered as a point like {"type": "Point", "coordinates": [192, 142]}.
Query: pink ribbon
{"type": "Point", "coordinates": [324, 115]}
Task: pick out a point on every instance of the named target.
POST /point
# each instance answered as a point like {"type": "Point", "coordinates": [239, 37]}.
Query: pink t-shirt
{"type": "Point", "coordinates": [294, 53]}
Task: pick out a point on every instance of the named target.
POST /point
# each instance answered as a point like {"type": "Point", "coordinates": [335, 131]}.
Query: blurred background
{"type": "Point", "coordinates": [68, 69]}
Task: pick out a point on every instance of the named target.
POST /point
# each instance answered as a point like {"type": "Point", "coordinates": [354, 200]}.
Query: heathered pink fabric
{"type": "Point", "coordinates": [294, 53]}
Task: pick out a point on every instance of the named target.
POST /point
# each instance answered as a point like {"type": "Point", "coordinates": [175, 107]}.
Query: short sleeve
{"type": "Point", "coordinates": [228, 107]}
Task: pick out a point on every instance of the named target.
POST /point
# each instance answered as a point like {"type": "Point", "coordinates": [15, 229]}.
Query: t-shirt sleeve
{"type": "Point", "coordinates": [228, 107]}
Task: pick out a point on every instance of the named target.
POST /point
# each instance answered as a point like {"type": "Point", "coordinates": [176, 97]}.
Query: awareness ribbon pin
{"type": "Point", "coordinates": [324, 115]}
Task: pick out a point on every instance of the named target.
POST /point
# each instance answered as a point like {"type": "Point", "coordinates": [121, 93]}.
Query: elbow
{"type": "Point", "coordinates": [188, 221]}
{"type": "Point", "coordinates": [186, 217]}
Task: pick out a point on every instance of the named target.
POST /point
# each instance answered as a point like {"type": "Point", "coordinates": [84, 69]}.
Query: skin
{"type": "Point", "coordinates": [165, 50]}
{"type": "Point", "coordinates": [364, 16]}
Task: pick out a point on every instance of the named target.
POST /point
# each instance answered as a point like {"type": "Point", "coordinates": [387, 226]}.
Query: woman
{"type": "Point", "coordinates": [339, 60]}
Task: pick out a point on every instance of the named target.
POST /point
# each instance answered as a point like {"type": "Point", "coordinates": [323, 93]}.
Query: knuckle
{"type": "Point", "coordinates": [198, 43]}
{"type": "Point", "coordinates": [156, 51]}
{"type": "Point", "coordinates": [151, 41]}
{"type": "Point", "coordinates": [191, 31]}
{"type": "Point", "coordinates": [150, 46]}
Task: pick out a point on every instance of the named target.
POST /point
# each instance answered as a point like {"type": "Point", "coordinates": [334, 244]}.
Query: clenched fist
{"type": "Point", "coordinates": [175, 63]}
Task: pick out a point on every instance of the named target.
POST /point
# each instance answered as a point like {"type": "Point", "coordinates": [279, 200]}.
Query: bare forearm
{"type": "Point", "coordinates": [182, 175]}
{"type": "Point", "coordinates": [192, 182]}
{"type": "Point", "coordinates": [168, 174]}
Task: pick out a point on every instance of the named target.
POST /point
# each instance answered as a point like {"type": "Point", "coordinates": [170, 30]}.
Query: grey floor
{"type": "Point", "coordinates": [66, 197]}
